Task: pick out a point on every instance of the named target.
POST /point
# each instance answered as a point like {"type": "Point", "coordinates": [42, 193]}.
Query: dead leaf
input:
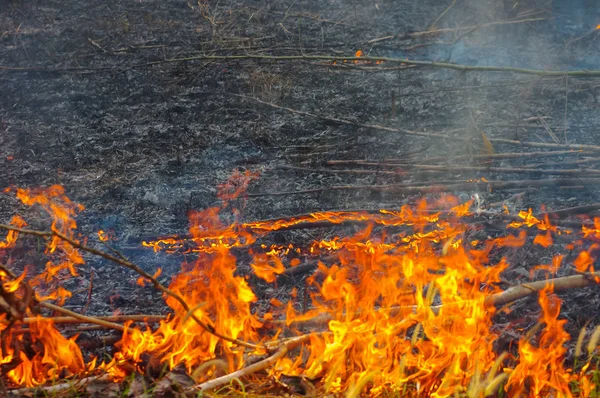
{"type": "Point", "coordinates": [487, 149]}
{"type": "Point", "coordinates": [174, 384]}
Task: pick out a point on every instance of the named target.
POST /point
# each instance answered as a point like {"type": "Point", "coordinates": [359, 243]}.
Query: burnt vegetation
{"type": "Point", "coordinates": [250, 168]}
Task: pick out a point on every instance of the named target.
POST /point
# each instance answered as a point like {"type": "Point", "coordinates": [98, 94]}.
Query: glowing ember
{"type": "Point", "coordinates": [103, 236]}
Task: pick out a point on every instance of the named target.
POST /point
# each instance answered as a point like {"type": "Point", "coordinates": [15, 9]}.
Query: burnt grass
{"type": "Point", "coordinates": [94, 98]}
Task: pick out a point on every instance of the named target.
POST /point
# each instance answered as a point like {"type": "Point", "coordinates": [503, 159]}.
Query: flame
{"type": "Point", "coordinates": [11, 237]}
{"type": "Point", "coordinates": [540, 368]}
{"type": "Point", "coordinates": [236, 185]}
{"type": "Point", "coordinates": [104, 236]}
{"type": "Point", "coordinates": [60, 356]}
{"type": "Point", "coordinates": [408, 311]}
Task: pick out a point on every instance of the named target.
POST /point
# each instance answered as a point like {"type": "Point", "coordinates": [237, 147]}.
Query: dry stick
{"type": "Point", "coordinates": [442, 14]}
{"type": "Point", "coordinates": [312, 17]}
{"type": "Point", "coordinates": [411, 189]}
{"type": "Point", "coordinates": [83, 318]}
{"type": "Point", "coordinates": [115, 318]}
{"type": "Point", "coordinates": [156, 284]}
{"type": "Point", "coordinates": [382, 172]}
{"type": "Point", "coordinates": [445, 65]}
{"type": "Point", "coordinates": [566, 107]}
{"type": "Point", "coordinates": [210, 329]}
{"type": "Point", "coordinates": [334, 171]}
{"type": "Point", "coordinates": [302, 269]}
{"type": "Point", "coordinates": [527, 289]}
{"type": "Point", "coordinates": [509, 295]}
{"type": "Point", "coordinates": [570, 211]}
{"type": "Point", "coordinates": [284, 348]}
{"type": "Point", "coordinates": [592, 148]}
{"type": "Point", "coordinates": [87, 319]}
{"type": "Point", "coordinates": [443, 169]}
{"type": "Point", "coordinates": [332, 58]}
{"type": "Point", "coordinates": [433, 32]}
{"type": "Point", "coordinates": [562, 163]}
{"type": "Point", "coordinates": [58, 388]}
{"type": "Point", "coordinates": [509, 155]}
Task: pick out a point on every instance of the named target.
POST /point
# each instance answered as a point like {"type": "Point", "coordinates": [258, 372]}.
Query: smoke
{"type": "Point", "coordinates": [554, 35]}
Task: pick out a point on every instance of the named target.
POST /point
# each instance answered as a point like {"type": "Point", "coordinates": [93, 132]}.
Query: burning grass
{"type": "Point", "coordinates": [404, 306]}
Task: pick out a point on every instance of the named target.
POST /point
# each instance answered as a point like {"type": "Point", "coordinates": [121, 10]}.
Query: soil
{"type": "Point", "coordinates": [96, 97]}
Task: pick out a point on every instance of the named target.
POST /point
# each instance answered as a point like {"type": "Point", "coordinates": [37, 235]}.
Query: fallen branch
{"type": "Point", "coordinates": [591, 148]}
{"type": "Point", "coordinates": [570, 211]}
{"type": "Point", "coordinates": [527, 289]}
{"type": "Point", "coordinates": [284, 348]}
{"type": "Point", "coordinates": [83, 318]}
{"type": "Point", "coordinates": [58, 388]}
{"type": "Point", "coordinates": [435, 32]}
{"type": "Point", "coordinates": [434, 188]}
{"type": "Point", "coordinates": [330, 58]}
{"type": "Point", "coordinates": [302, 269]}
{"type": "Point", "coordinates": [118, 260]}
{"type": "Point", "coordinates": [491, 156]}
{"type": "Point", "coordinates": [505, 297]}
{"type": "Point", "coordinates": [114, 318]}
{"type": "Point", "coordinates": [442, 169]}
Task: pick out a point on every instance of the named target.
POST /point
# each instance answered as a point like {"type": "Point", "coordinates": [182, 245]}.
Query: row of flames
{"type": "Point", "coordinates": [377, 292]}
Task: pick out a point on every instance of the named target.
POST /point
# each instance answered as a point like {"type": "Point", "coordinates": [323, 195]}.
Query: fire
{"type": "Point", "coordinates": [542, 367]}
{"type": "Point", "coordinates": [403, 311]}
{"type": "Point", "coordinates": [103, 236]}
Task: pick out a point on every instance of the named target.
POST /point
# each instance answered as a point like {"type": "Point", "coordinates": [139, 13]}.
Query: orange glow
{"type": "Point", "coordinates": [60, 356]}
{"type": "Point", "coordinates": [236, 185]}
{"type": "Point", "coordinates": [11, 237]}
{"type": "Point", "coordinates": [406, 310]}
{"type": "Point", "coordinates": [103, 236]}
{"type": "Point", "coordinates": [141, 281]}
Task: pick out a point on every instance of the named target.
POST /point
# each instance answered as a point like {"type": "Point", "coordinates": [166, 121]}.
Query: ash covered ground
{"type": "Point", "coordinates": [96, 97]}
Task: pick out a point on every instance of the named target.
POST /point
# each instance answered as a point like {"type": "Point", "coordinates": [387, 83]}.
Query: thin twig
{"type": "Point", "coordinates": [450, 169]}
{"type": "Point", "coordinates": [509, 155]}
{"type": "Point", "coordinates": [331, 58]}
{"type": "Point", "coordinates": [56, 389]}
{"type": "Point", "coordinates": [434, 32]}
{"type": "Point", "coordinates": [592, 148]}
{"type": "Point", "coordinates": [210, 329]}
{"type": "Point", "coordinates": [83, 318]}
{"type": "Point", "coordinates": [566, 107]}
{"type": "Point", "coordinates": [434, 188]}
{"type": "Point", "coordinates": [392, 162]}
{"type": "Point", "coordinates": [113, 318]}
{"type": "Point", "coordinates": [432, 26]}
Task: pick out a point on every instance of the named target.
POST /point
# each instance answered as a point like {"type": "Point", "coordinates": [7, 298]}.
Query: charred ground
{"type": "Point", "coordinates": [96, 97]}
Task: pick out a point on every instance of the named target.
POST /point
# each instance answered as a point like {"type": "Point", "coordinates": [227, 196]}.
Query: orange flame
{"type": "Point", "coordinates": [404, 311]}
{"type": "Point", "coordinates": [60, 356]}
{"type": "Point", "coordinates": [11, 237]}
